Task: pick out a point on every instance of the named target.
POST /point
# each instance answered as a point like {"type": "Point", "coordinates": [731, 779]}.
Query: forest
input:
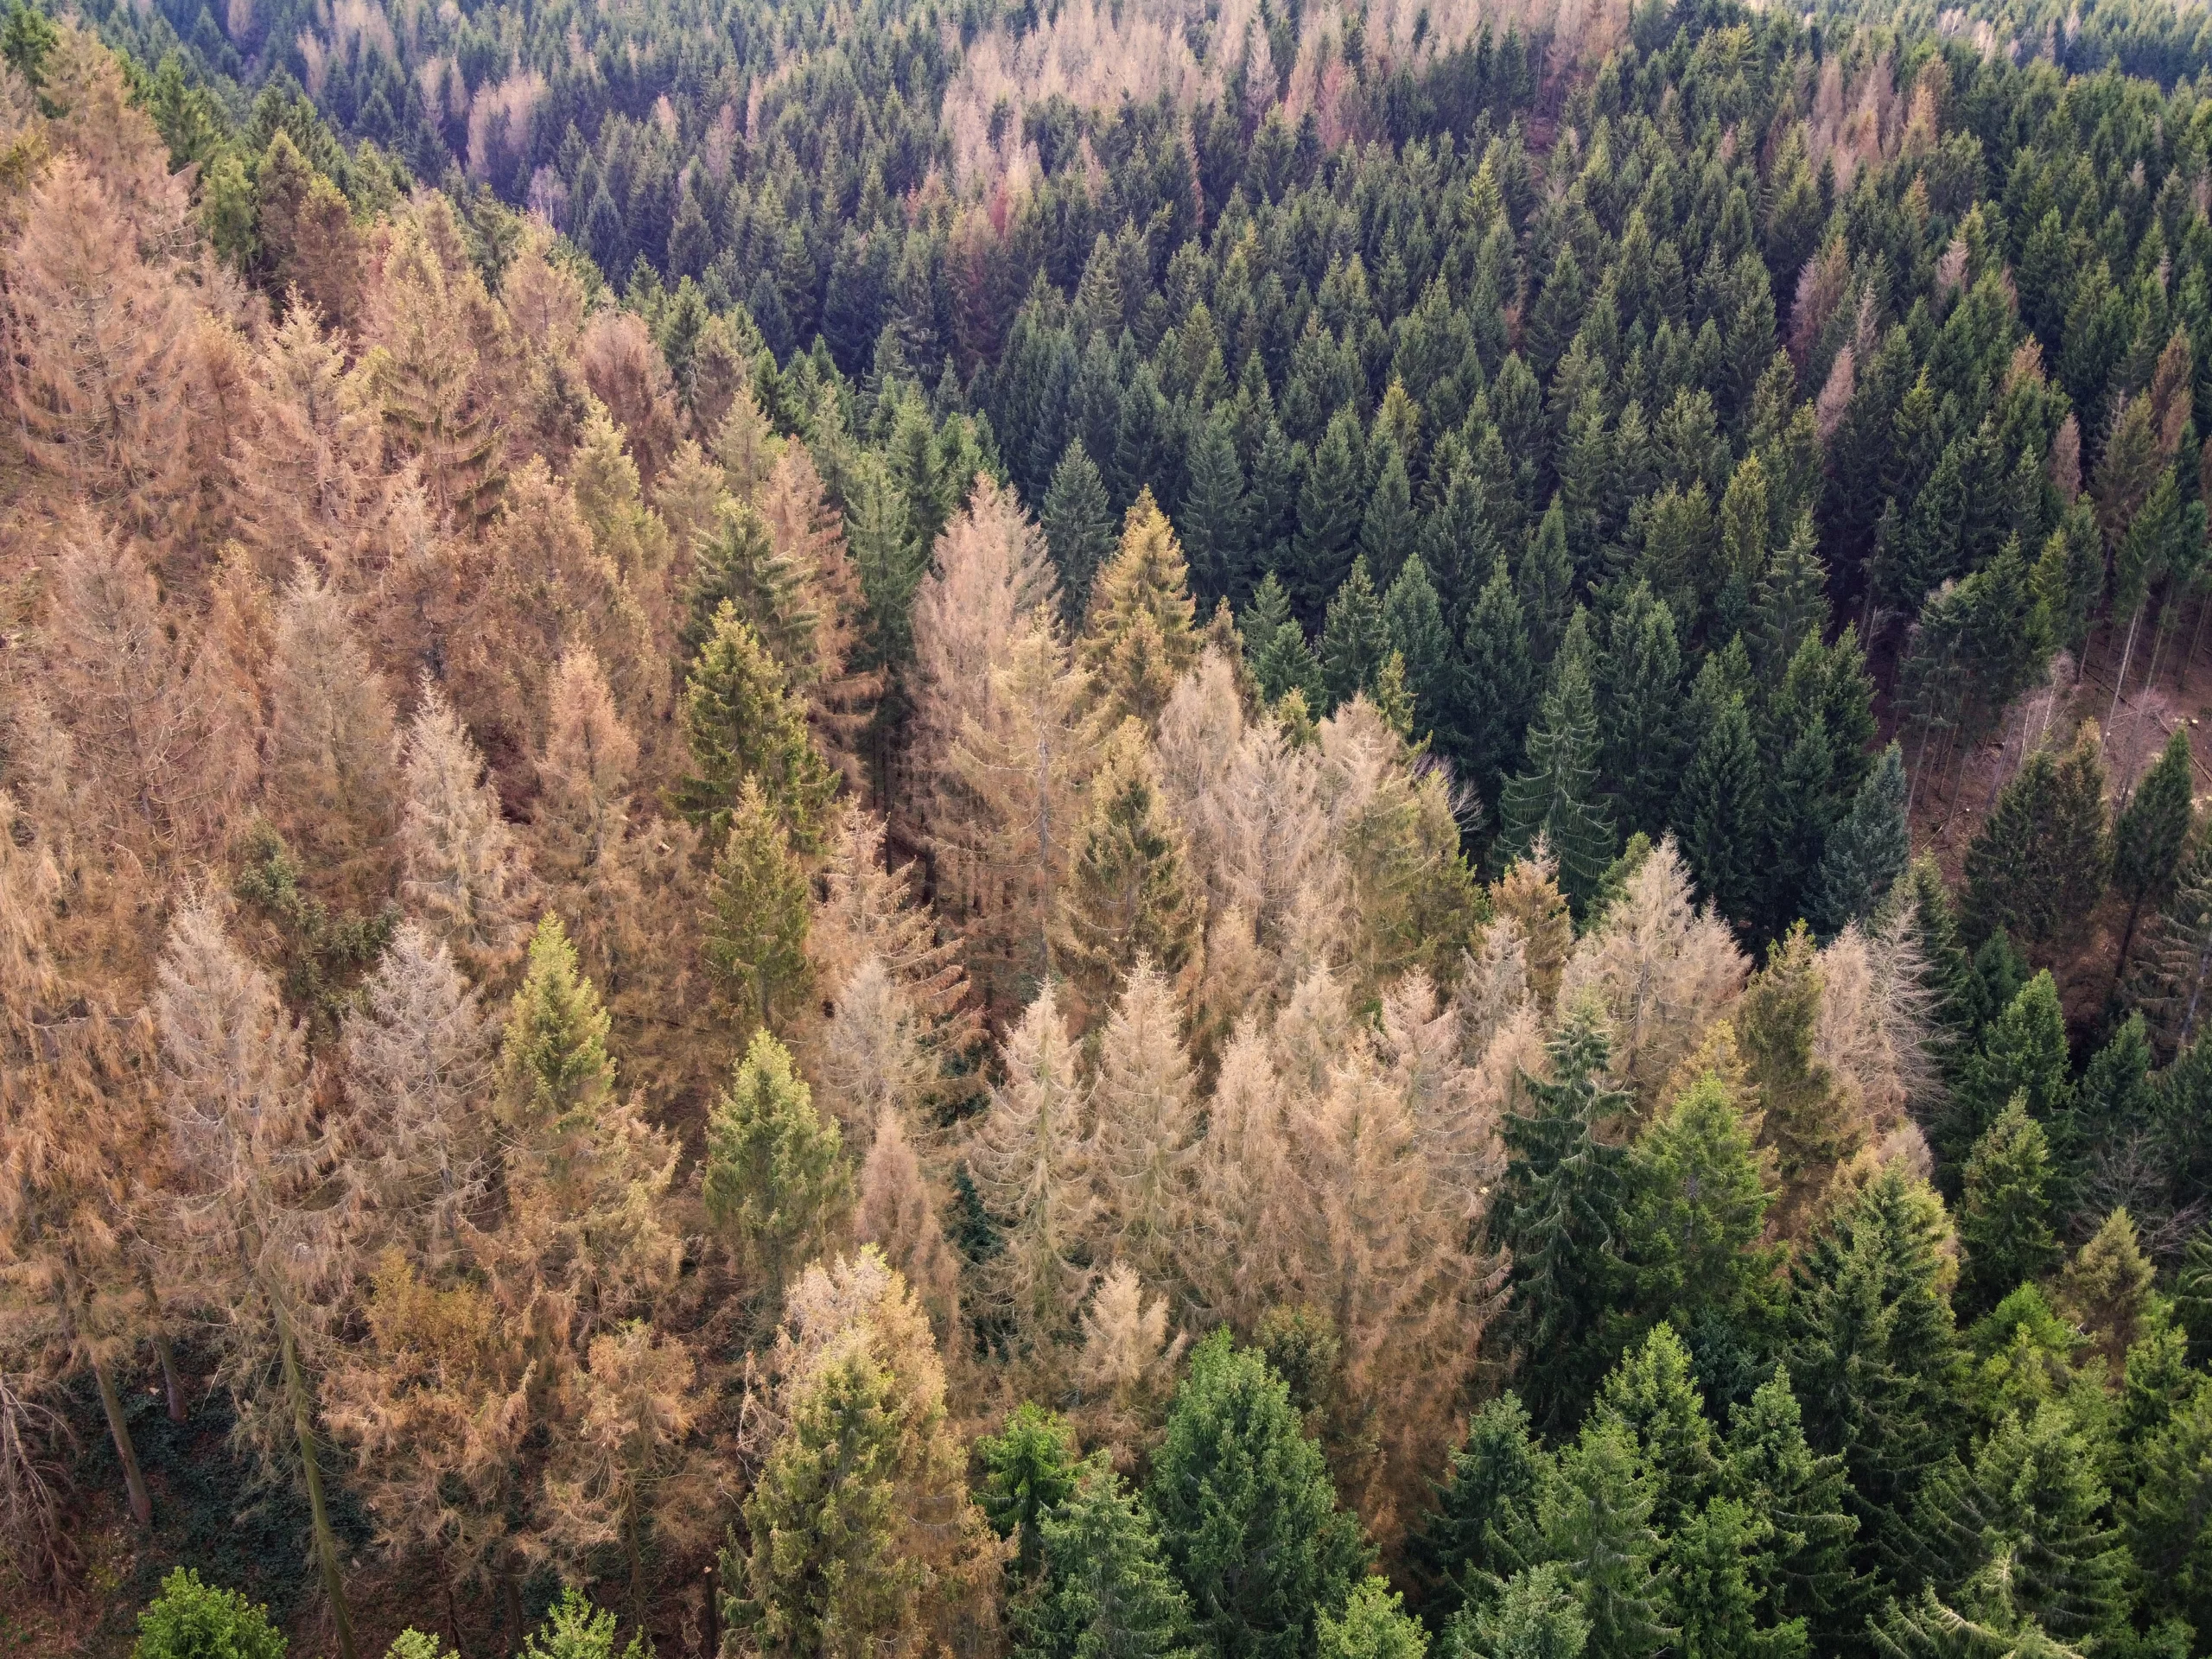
{"type": "Point", "coordinates": [1244, 830]}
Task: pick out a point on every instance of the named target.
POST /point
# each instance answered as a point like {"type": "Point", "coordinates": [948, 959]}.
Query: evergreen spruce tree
{"type": "Point", "coordinates": [2023, 1052]}
{"type": "Point", "coordinates": [740, 721]}
{"type": "Point", "coordinates": [737, 563]}
{"type": "Point", "coordinates": [1390, 528]}
{"type": "Point", "coordinates": [1483, 1524]}
{"type": "Point", "coordinates": [2005, 1216]}
{"type": "Point", "coordinates": [2168, 1520]}
{"type": "Point", "coordinates": [1806, 1119]}
{"type": "Point", "coordinates": [1356, 640]}
{"type": "Point", "coordinates": [2040, 860]}
{"type": "Point", "coordinates": [1713, 1561]}
{"type": "Point", "coordinates": [1557, 797]}
{"type": "Point", "coordinates": [1497, 684]}
{"type": "Point", "coordinates": [1141, 636]}
{"type": "Point", "coordinates": [1595, 1519]}
{"type": "Point", "coordinates": [1129, 889]}
{"type": "Point", "coordinates": [823, 1575]}
{"type": "Point", "coordinates": [1413, 621]}
{"type": "Point", "coordinates": [1559, 1212]}
{"type": "Point", "coordinates": [1807, 1572]}
{"type": "Point", "coordinates": [2151, 836]}
{"type": "Point", "coordinates": [1374, 1624]}
{"type": "Point", "coordinates": [1078, 525]}
{"type": "Point", "coordinates": [1248, 1517]}
{"type": "Point", "coordinates": [1276, 647]}
{"type": "Point", "coordinates": [2033, 1506]}
{"type": "Point", "coordinates": [1719, 810]}
{"type": "Point", "coordinates": [759, 906]}
{"type": "Point", "coordinates": [775, 1177]}
{"type": "Point", "coordinates": [1544, 582]}
{"type": "Point", "coordinates": [1640, 711]}
{"type": "Point", "coordinates": [1105, 1589]}
{"type": "Point", "coordinates": [1030, 1468]}
{"type": "Point", "coordinates": [2177, 972]}
{"type": "Point", "coordinates": [1330, 502]}
{"type": "Point", "coordinates": [1871, 1353]}
{"type": "Point", "coordinates": [1699, 1196]}
{"type": "Point", "coordinates": [1217, 516]}
{"type": "Point", "coordinates": [1789, 604]}
{"type": "Point", "coordinates": [1867, 851]}
{"type": "Point", "coordinates": [1538, 1617]}
{"type": "Point", "coordinates": [1652, 1396]}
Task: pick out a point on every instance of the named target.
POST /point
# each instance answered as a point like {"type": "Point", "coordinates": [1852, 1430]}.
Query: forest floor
{"type": "Point", "coordinates": [1951, 802]}
{"type": "Point", "coordinates": [208, 1515]}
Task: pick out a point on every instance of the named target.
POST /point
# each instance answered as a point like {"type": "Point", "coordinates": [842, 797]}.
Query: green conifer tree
{"type": "Point", "coordinates": [1640, 711]}
{"type": "Point", "coordinates": [1867, 851]}
{"type": "Point", "coordinates": [1217, 516]}
{"type": "Point", "coordinates": [1699, 1196]}
{"type": "Point", "coordinates": [2151, 836]}
{"type": "Point", "coordinates": [1330, 501]}
{"type": "Point", "coordinates": [2039, 863]}
{"type": "Point", "coordinates": [1390, 528]}
{"type": "Point", "coordinates": [1544, 583]}
{"type": "Point", "coordinates": [2023, 1052]}
{"type": "Point", "coordinates": [1718, 812]}
{"type": "Point", "coordinates": [1558, 797]}
{"type": "Point", "coordinates": [822, 1579]}
{"type": "Point", "coordinates": [1768, 1466]}
{"type": "Point", "coordinates": [1248, 1517]}
{"type": "Point", "coordinates": [1355, 639]}
{"type": "Point", "coordinates": [1497, 684]}
{"type": "Point", "coordinates": [1595, 1518]}
{"type": "Point", "coordinates": [1558, 1211]}
{"type": "Point", "coordinates": [1078, 525]}
{"type": "Point", "coordinates": [1413, 621]}
{"type": "Point", "coordinates": [775, 1179]}
{"type": "Point", "coordinates": [759, 908]}
{"type": "Point", "coordinates": [1872, 1352]}
{"type": "Point", "coordinates": [1030, 1468]}
{"type": "Point", "coordinates": [1483, 1524]}
{"type": "Point", "coordinates": [2005, 1215]}
{"type": "Point", "coordinates": [740, 721]}
{"type": "Point", "coordinates": [737, 563]}
{"type": "Point", "coordinates": [1653, 1396]}
{"type": "Point", "coordinates": [1105, 1589]}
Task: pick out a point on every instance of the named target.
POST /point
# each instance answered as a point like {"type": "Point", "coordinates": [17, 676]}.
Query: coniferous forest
{"type": "Point", "coordinates": [1250, 830]}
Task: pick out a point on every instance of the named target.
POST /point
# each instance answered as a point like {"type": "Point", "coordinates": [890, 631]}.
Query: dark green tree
{"type": "Point", "coordinates": [1217, 521]}
{"type": "Point", "coordinates": [2040, 860]}
{"type": "Point", "coordinates": [1560, 1211]}
{"type": "Point", "coordinates": [1652, 1396]}
{"type": "Point", "coordinates": [1247, 1518]}
{"type": "Point", "coordinates": [2004, 1212]}
{"type": "Point", "coordinates": [1106, 1592]}
{"type": "Point", "coordinates": [2151, 836]}
{"type": "Point", "coordinates": [1595, 1519]}
{"type": "Point", "coordinates": [1867, 851]}
{"type": "Point", "coordinates": [1557, 797]}
{"type": "Point", "coordinates": [1030, 1468]}
{"type": "Point", "coordinates": [740, 721]}
{"type": "Point", "coordinates": [1355, 639]}
{"type": "Point", "coordinates": [1079, 528]}
{"type": "Point", "coordinates": [1498, 682]}
{"type": "Point", "coordinates": [1718, 812]}
{"type": "Point", "coordinates": [1390, 528]}
{"type": "Point", "coordinates": [2023, 1052]}
{"type": "Point", "coordinates": [1412, 620]}
{"type": "Point", "coordinates": [1544, 582]}
{"type": "Point", "coordinates": [1873, 1352]}
{"type": "Point", "coordinates": [1640, 711]}
{"type": "Point", "coordinates": [1331, 501]}
{"type": "Point", "coordinates": [1484, 1523]}
{"type": "Point", "coordinates": [1768, 1466]}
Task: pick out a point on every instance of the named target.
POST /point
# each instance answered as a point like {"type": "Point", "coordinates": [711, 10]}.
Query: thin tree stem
{"type": "Point", "coordinates": [325, 1543]}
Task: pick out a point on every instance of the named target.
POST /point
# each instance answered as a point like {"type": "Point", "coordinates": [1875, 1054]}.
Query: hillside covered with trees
{"type": "Point", "coordinates": [1105, 834]}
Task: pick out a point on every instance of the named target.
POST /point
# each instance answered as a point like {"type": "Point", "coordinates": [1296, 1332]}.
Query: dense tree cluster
{"type": "Point", "coordinates": [1116, 875]}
